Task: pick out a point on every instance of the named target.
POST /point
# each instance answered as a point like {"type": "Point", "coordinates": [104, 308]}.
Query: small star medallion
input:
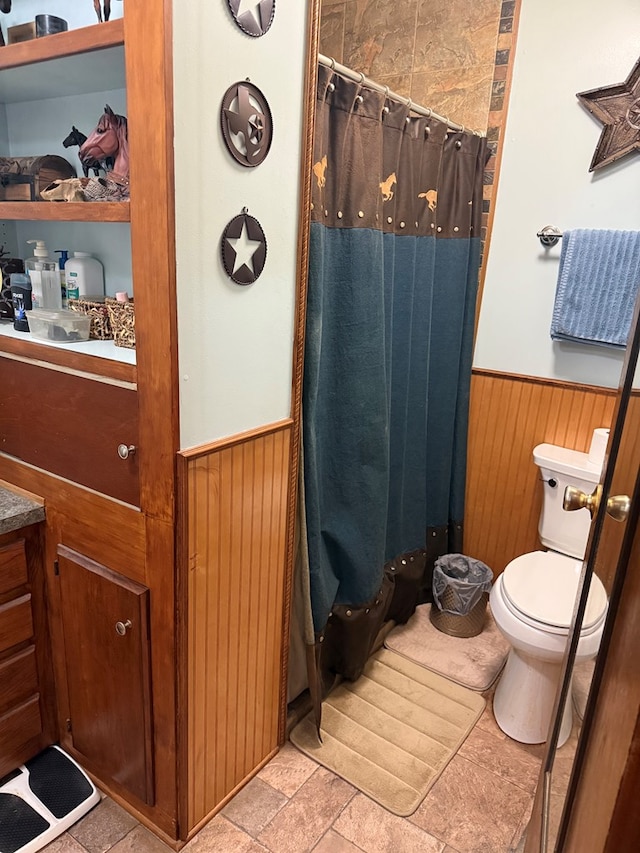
{"type": "Point", "coordinates": [618, 109]}
{"type": "Point", "coordinates": [244, 248]}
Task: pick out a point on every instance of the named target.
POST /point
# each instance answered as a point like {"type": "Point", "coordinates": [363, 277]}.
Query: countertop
{"type": "Point", "coordinates": [17, 511]}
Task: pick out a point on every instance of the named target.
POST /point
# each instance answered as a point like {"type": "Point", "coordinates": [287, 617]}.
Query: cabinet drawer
{"type": "Point", "coordinates": [13, 566]}
{"type": "Point", "coordinates": [16, 624]}
{"type": "Point", "coordinates": [19, 730]}
{"type": "Point", "coordinates": [18, 679]}
{"type": "Point", "coordinates": [71, 426]}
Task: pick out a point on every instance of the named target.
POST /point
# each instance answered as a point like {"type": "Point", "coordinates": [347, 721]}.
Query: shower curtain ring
{"type": "Point", "coordinates": [385, 108]}
{"type": "Point", "coordinates": [332, 63]}
{"type": "Point", "coordinates": [362, 78]}
{"type": "Point", "coordinates": [410, 106]}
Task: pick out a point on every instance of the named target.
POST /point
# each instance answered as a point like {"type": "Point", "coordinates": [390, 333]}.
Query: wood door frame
{"type": "Point", "coordinates": [604, 754]}
{"type": "Point", "coordinates": [597, 768]}
{"type": "Point", "coordinates": [306, 174]}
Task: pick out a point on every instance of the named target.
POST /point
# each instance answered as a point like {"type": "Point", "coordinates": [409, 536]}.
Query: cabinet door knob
{"type": "Point", "coordinates": [126, 450]}
{"type": "Point", "coordinates": [123, 627]}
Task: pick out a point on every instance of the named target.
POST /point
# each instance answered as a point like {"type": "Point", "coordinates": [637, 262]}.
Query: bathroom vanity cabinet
{"type": "Point", "coordinates": [165, 566]}
{"type": "Point", "coordinates": [92, 430]}
{"type": "Point", "coordinates": [27, 722]}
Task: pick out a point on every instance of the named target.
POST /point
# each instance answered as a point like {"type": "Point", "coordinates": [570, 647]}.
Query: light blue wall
{"type": "Point", "coordinates": [235, 343]}
{"type": "Point", "coordinates": [562, 48]}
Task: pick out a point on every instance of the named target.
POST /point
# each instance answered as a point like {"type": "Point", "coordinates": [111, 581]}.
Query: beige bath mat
{"type": "Point", "coordinates": [393, 731]}
{"type": "Point", "coordinates": [475, 662]}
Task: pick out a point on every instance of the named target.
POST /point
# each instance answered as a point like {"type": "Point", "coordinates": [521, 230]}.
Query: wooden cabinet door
{"type": "Point", "coordinates": [105, 623]}
{"type": "Point", "coordinates": [71, 425]}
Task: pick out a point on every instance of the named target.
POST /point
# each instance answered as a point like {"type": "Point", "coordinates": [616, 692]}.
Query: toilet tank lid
{"type": "Point", "coordinates": [566, 461]}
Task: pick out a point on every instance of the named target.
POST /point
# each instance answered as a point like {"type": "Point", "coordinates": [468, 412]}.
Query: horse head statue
{"type": "Point", "coordinates": [108, 140]}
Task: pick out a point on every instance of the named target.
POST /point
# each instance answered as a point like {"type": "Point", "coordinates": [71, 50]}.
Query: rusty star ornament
{"type": "Point", "coordinates": [618, 108]}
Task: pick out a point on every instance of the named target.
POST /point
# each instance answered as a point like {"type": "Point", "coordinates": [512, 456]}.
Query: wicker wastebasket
{"type": "Point", "coordinates": [461, 588]}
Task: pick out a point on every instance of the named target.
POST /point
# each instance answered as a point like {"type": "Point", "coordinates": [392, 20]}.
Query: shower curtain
{"type": "Point", "coordinates": [394, 257]}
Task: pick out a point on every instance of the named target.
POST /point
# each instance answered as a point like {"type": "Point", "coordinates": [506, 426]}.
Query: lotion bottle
{"type": "Point", "coordinates": [84, 276]}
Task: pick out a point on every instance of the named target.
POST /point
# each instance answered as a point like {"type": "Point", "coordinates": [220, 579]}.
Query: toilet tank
{"type": "Point", "coordinates": [565, 532]}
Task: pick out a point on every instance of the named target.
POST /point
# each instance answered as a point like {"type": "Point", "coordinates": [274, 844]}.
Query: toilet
{"type": "Point", "coordinates": [532, 603]}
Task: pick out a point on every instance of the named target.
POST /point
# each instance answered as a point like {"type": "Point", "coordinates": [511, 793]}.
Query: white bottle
{"type": "Point", "coordinates": [45, 278]}
{"type": "Point", "coordinates": [84, 276]}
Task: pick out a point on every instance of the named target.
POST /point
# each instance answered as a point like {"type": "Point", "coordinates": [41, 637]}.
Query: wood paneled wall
{"type": "Point", "coordinates": [236, 495]}
{"type": "Point", "coordinates": [509, 415]}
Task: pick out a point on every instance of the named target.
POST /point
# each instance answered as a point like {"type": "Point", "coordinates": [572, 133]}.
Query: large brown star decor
{"type": "Point", "coordinates": [247, 126]}
{"type": "Point", "coordinates": [618, 108]}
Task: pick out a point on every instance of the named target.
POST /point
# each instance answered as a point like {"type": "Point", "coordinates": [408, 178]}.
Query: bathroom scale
{"type": "Point", "coordinates": [41, 799]}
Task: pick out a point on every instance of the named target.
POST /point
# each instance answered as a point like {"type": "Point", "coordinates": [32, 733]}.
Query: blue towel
{"type": "Point", "coordinates": [598, 281]}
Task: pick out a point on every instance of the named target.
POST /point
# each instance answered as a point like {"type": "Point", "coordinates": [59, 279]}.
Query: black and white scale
{"type": "Point", "coordinates": [42, 799]}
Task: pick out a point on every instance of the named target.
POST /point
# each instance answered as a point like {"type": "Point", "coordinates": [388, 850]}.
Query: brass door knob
{"type": "Point", "coordinates": [617, 505]}
{"type": "Point", "coordinates": [123, 627]}
{"type": "Point", "coordinates": [126, 450]}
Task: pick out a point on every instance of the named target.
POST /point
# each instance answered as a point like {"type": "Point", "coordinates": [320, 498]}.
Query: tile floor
{"type": "Point", "coordinates": [480, 804]}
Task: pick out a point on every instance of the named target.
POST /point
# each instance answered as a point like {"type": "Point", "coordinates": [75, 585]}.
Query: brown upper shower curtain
{"type": "Point", "coordinates": [394, 258]}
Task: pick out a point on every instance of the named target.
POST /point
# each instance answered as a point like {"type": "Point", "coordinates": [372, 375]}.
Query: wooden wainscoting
{"type": "Point", "coordinates": [509, 415]}
{"type": "Point", "coordinates": [236, 495]}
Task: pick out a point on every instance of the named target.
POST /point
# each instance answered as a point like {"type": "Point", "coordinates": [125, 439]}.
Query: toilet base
{"type": "Point", "coordinates": [525, 696]}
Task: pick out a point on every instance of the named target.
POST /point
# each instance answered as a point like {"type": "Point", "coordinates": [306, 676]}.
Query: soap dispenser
{"type": "Point", "coordinates": [45, 278]}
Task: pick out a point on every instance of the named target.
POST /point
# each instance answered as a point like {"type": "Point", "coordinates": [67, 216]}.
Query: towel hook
{"type": "Point", "coordinates": [549, 235]}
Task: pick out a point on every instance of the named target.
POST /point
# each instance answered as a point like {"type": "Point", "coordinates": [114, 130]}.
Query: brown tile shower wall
{"type": "Point", "coordinates": [454, 56]}
{"type": "Point", "coordinates": [441, 53]}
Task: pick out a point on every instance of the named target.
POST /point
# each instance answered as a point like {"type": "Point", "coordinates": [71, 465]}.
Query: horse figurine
{"type": "Point", "coordinates": [108, 140]}
{"type": "Point", "coordinates": [107, 9]}
{"type": "Point", "coordinates": [76, 137]}
{"type": "Point", "coordinates": [96, 5]}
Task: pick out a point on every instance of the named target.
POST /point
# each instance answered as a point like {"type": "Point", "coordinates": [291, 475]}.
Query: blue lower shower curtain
{"type": "Point", "coordinates": [394, 258]}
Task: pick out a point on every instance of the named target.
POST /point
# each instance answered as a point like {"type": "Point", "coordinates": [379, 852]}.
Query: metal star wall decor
{"type": "Point", "coordinates": [247, 125]}
{"type": "Point", "coordinates": [244, 248]}
{"type": "Point", "coordinates": [254, 17]}
{"type": "Point", "coordinates": [618, 108]}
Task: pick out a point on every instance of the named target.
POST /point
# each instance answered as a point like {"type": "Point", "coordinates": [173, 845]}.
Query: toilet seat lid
{"type": "Point", "coordinates": [543, 586]}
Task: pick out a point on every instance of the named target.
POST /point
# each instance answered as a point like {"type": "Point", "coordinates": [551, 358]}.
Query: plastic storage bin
{"type": "Point", "coordinates": [461, 587]}
{"type": "Point", "coordinates": [61, 327]}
